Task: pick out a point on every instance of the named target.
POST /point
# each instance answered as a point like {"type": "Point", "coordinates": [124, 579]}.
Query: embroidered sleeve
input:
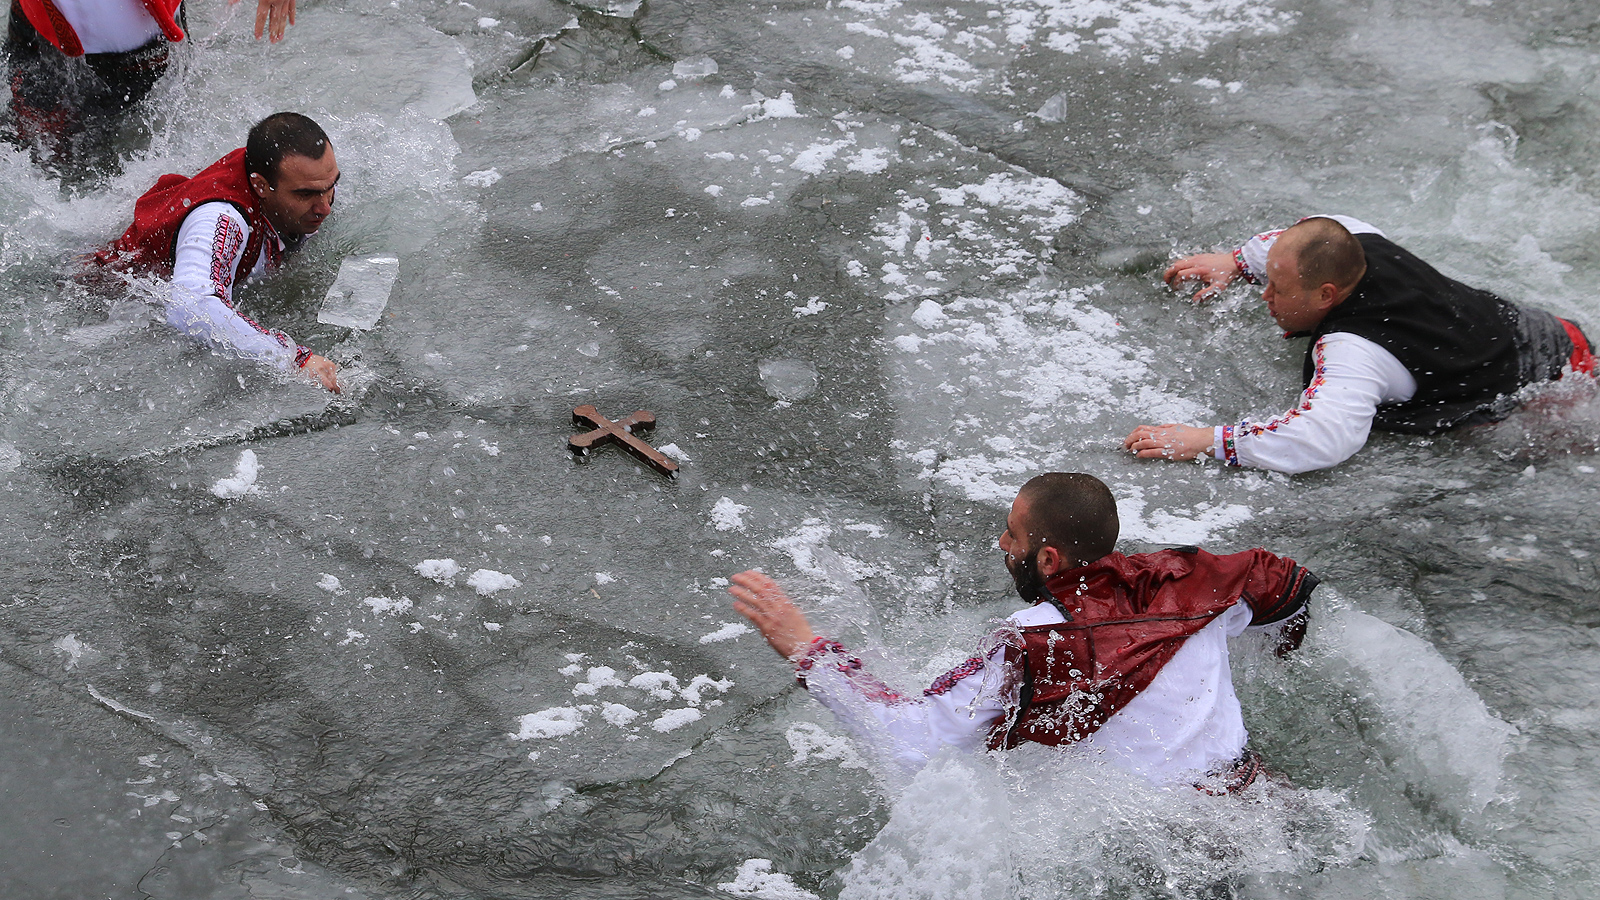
{"type": "Point", "coordinates": [205, 266]}
{"type": "Point", "coordinates": [904, 730]}
{"type": "Point", "coordinates": [1350, 377]}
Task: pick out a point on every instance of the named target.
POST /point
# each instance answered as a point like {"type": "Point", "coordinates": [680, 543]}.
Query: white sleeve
{"type": "Point", "coordinates": [1352, 375]}
{"type": "Point", "coordinates": [1251, 256]}
{"type": "Point", "coordinates": [209, 246]}
{"type": "Point", "coordinates": [958, 709]}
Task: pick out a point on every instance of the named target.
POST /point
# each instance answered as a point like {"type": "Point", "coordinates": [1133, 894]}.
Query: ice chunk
{"type": "Point", "coordinates": [330, 583]}
{"type": "Point", "coordinates": [727, 632]}
{"type": "Point", "coordinates": [10, 457]}
{"type": "Point", "coordinates": [1054, 110]}
{"type": "Point", "coordinates": [674, 451]}
{"type": "Point", "coordinates": [360, 292]}
{"type": "Point", "coordinates": [617, 714]}
{"type": "Point", "coordinates": [243, 480]}
{"type": "Point", "coordinates": [488, 581]}
{"type": "Point", "coordinates": [557, 721]}
{"type": "Point", "coordinates": [790, 380]}
{"type": "Point", "coordinates": [660, 685]}
{"type": "Point", "coordinates": [390, 605]}
{"type": "Point", "coordinates": [673, 719]}
{"type": "Point", "coordinates": [481, 178]}
{"type": "Point", "coordinates": [443, 571]}
{"type": "Point", "coordinates": [695, 67]}
{"type": "Point", "coordinates": [727, 515]}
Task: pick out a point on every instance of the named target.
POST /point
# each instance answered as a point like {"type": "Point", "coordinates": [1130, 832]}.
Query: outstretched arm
{"type": "Point", "coordinates": [905, 730]}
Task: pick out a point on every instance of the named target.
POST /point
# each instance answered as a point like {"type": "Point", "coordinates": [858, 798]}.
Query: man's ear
{"type": "Point", "coordinates": [258, 185]}
{"type": "Point", "coordinates": [1050, 561]}
{"type": "Point", "coordinates": [1328, 296]}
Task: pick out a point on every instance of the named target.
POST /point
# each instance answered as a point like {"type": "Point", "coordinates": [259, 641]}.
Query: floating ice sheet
{"type": "Point", "coordinates": [360, 292]}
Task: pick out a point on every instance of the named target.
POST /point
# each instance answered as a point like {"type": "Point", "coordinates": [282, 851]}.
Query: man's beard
{"type": "Point", "coordinates": [1025, 575]}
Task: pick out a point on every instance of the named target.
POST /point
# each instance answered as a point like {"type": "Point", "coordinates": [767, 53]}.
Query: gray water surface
{"type": "Point", "coordinates": [886, 262]}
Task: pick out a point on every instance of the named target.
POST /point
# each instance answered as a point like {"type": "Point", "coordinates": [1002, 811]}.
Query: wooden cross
{"type": "Point", "coordinates": [622, 432]}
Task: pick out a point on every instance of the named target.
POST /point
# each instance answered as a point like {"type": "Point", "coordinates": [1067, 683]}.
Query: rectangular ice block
{"type": "Point", "coordinates": [360, 293]}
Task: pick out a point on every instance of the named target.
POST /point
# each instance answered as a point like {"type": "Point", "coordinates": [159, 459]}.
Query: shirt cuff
{"type": "Point", "coordinates": [302, 355]}
{"type": "Point", "coordinates": [1244, 270]}
{"type": "Point", "coordinates": [1224, 447]}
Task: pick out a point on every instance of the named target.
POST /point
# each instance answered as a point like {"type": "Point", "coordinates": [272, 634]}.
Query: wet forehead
{"type": "Point", "coordinates": [296, 172]}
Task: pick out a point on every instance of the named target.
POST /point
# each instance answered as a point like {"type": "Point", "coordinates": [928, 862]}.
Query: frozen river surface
{"type": "Point", "coordinates": [871, 264]}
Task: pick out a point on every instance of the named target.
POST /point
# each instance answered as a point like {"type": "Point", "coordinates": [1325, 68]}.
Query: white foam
{"type": "Point", "coordinates": [330, 583]}
{"type": "Point", "coordinates": [810, 741]}
{"type": "Point", "coordinates": [755, 878]}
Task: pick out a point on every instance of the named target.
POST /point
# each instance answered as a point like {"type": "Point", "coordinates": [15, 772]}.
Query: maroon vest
{"type": "Point", "coordinates": [149, 245]}
{"type": "Point", "coordinates": [1127, 616]}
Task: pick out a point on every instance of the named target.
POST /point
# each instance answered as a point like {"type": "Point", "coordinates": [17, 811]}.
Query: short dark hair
{"type": "Point", "coordinates": [1074, 513]}
{"type": "Point", "coordinates": [279, 135]}
{"type": "Point", "coordinates": [1327, 253]}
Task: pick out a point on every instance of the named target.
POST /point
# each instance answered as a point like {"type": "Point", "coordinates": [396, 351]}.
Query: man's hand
{"type": "Point", "coordinates": [324, 371]}
{"type": "Point", "coordinates": [1215, 270]}
{"type": "Point", "coordinates": [759, 599]}
{"type": "Point", "coordinates": [1170, 441]}
{"type": "Point", "coordinates": [280, 13]}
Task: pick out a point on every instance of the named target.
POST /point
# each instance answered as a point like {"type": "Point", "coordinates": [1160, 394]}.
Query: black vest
{"type": "Point", "coordinates": [1469, 350]}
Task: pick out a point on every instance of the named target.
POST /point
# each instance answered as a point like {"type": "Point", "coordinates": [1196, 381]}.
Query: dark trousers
{"type": "Point", "coordinates": [69, 112]}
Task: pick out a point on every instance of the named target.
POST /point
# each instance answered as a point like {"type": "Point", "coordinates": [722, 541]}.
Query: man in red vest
{"type": "Point", "coordinates": [77, 65]}
{"type": "Point", "coordinates": [1124, 657]}
{"type": "Point", "coordinates": [235, 219]}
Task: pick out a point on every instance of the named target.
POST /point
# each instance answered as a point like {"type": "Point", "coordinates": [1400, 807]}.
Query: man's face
{"type": "Point", "coordinates": [1022, 554]}
{"type": "Point", "coordinates": [303, 195]}
{"type": "Point", "coordinates": [1293, 305]}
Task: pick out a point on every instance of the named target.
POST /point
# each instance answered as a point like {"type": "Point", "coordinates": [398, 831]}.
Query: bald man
{"type": "Point", "coordinates": [1122, 657]}
{"type": "Point", "coordinates": [1394, 346]}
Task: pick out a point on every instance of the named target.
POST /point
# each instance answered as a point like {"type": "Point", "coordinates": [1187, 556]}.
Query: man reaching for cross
{"type": "Point", "coordinates": [1394, 345]}
{"type": "Point", "coordinates": [1121, 656]}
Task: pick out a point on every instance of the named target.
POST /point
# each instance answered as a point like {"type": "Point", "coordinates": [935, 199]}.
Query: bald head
{"type": "Point", "coordinates": [1072, 512]}
{"type": "Point", "coordinates": [1324, 252]}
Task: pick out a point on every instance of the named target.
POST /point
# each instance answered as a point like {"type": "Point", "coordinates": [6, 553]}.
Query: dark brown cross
{"type": "Point", "coordinates": [623, 432]}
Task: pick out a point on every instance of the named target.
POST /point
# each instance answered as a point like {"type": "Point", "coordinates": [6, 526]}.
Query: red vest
{"type": "Point", "coordinates": [149, 244]}
{"type": "Point", "coordinates": [54, 27]}
{"type": "Point", "coordinates": [1128, 616]}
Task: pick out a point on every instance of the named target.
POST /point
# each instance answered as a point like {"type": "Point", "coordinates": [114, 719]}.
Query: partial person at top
{"type": "Point", "coordinates": [1123, 658]}
{"type": "Point", "coordinates": [76, 66]}
{"type": "Point", "coordinates": [1395, 345]}
{"type": "Point", "coordinates": [237, 219]}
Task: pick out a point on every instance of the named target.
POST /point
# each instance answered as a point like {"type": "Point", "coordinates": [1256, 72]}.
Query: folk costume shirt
{"type": "Point", "coordinates": [209, 250]}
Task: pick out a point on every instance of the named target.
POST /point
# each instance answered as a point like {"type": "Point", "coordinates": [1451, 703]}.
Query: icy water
{"type": "Point", "coordinates": [871, 264]}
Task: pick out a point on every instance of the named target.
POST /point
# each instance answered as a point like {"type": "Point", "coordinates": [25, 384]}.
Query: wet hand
{"type": "Point", "coordinates": [759, 599]}
{"type": "Point", "coordinates": [1170, 441]}
{"type": "Point", "coordinates": [324, 371]}
{"type": "Point", "coordinates": [1214, 270]}
{"type": "Point", "coordinates": [279, 13]}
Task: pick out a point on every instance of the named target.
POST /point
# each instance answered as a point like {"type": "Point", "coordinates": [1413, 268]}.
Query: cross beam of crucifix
{"type": "Point", "coordinates": [623, 431]}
